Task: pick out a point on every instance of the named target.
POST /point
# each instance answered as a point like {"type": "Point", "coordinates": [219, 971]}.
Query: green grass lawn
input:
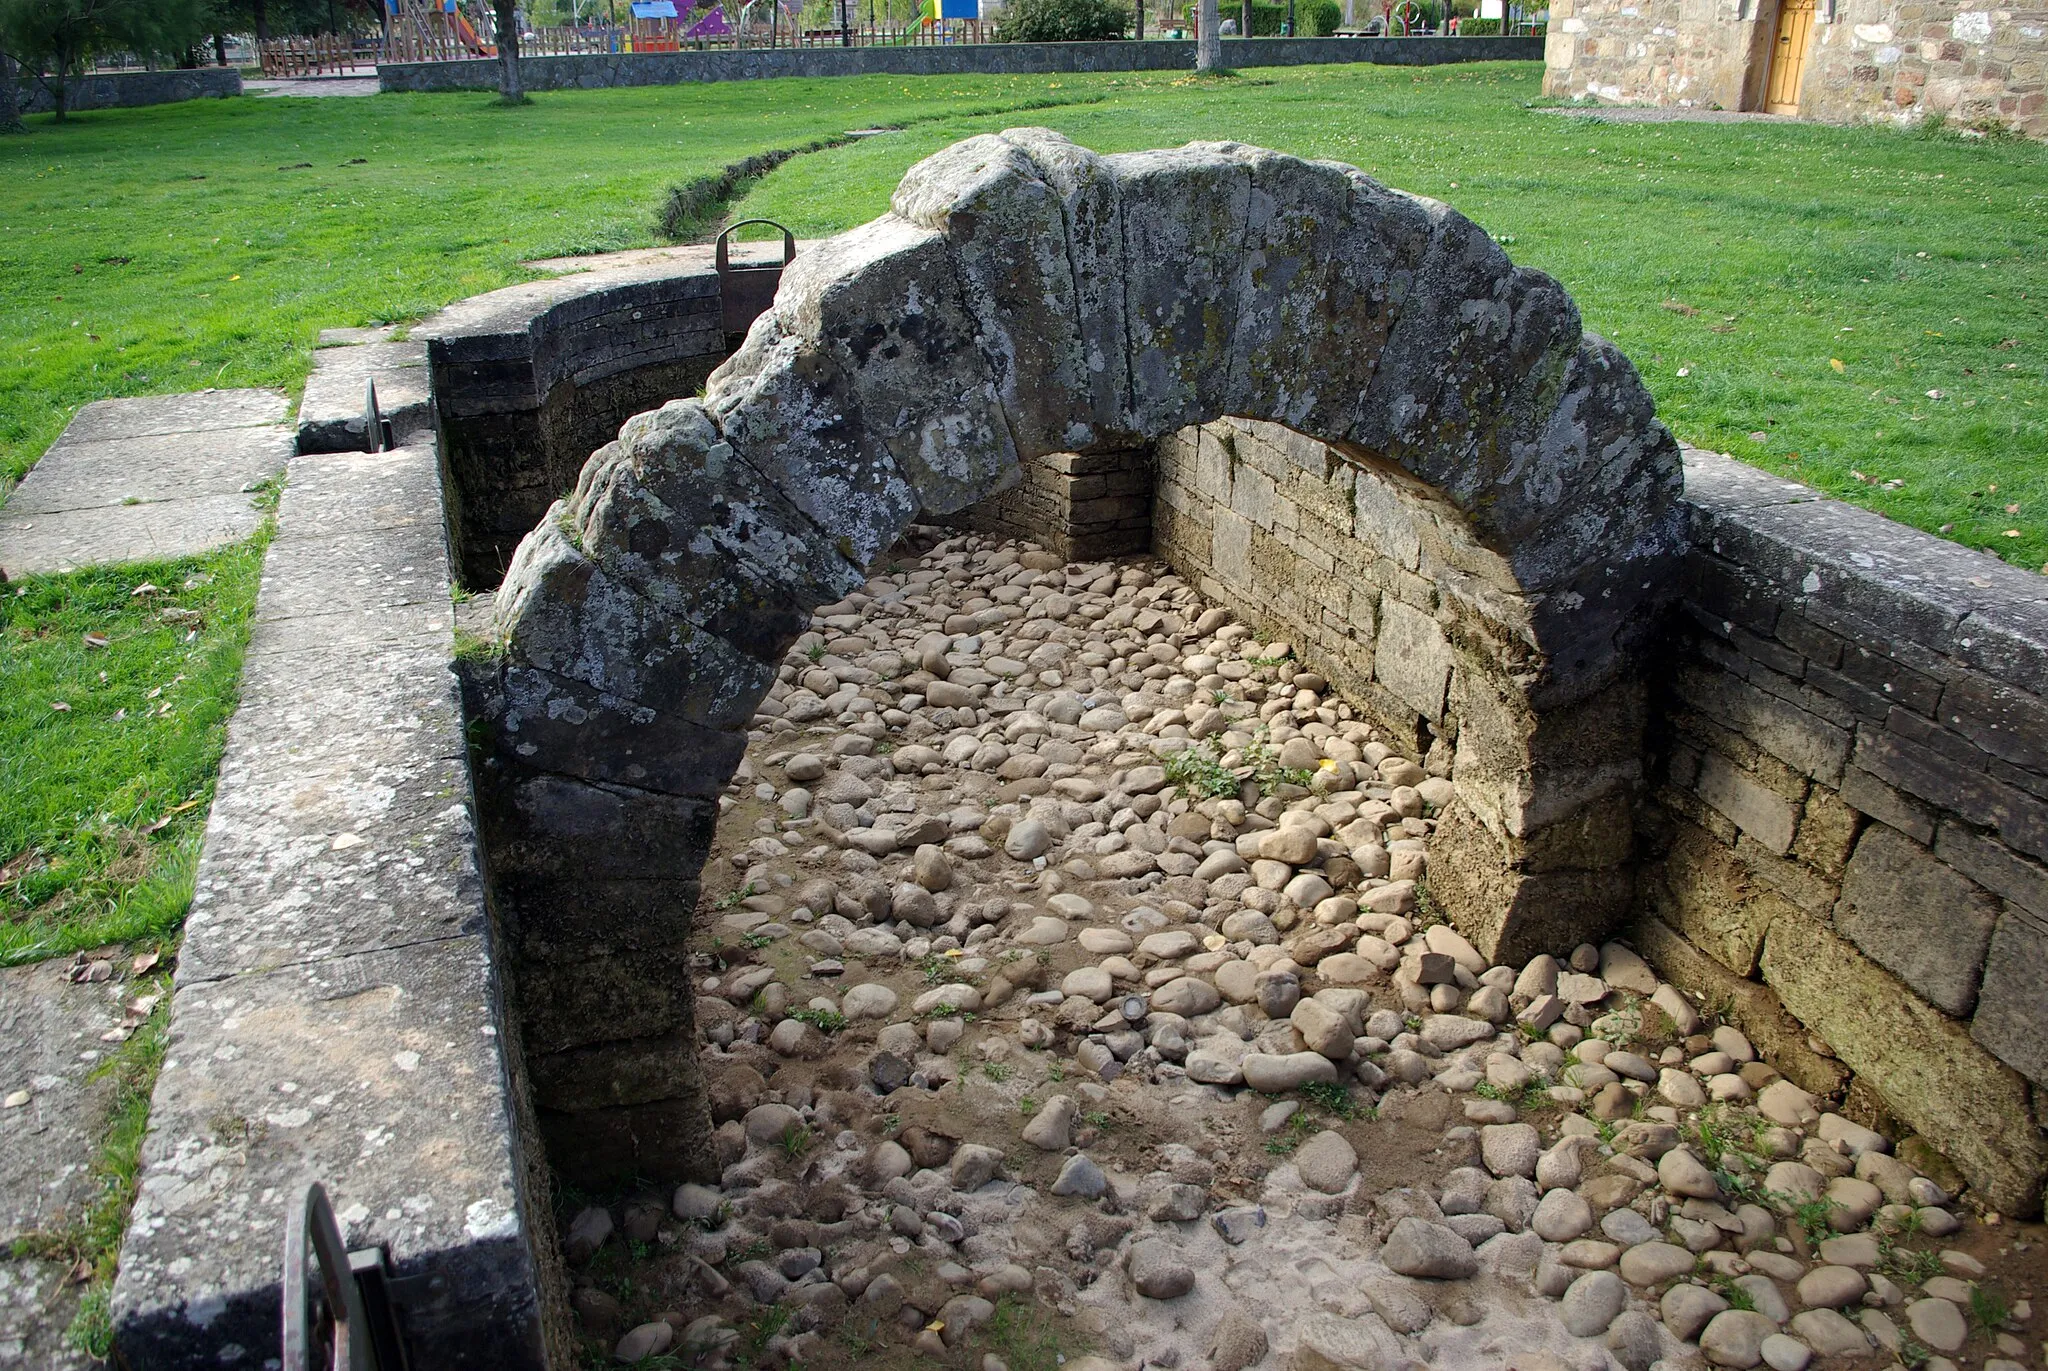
{"type": "Point", "coordinates": [207, 244]}
{"type": "Point", "coordinates": [1792, 293]}
{"type": "Point", "coordinates": [115, 690]}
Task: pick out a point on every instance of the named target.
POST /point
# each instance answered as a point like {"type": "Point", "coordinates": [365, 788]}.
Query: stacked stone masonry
{"type": "Point", "coordinates": [125, 89]}
{"type": "Point", "coordinates": [1081, 505]}
{"type": "Point", "coordinates": [1849, 814]}
{"type": "Point", "coordinates": [1894, 61]}
{"type": "Point", "coordinates": [1844, 834]}
{"type": "Point", "coordinates": [1026, 298]}
{"type": "Point", "coordinates": [1496, 598]}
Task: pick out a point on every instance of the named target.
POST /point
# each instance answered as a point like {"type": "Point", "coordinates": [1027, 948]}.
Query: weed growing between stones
{"type": "Point", "coordinates": [1200, 772]}
{"type": "Point", "coordinates": [1020, 1333]}
{"type": "Point", "coordinates": [1989, 1307]}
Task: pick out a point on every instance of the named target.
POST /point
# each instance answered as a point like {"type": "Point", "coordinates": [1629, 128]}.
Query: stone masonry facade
{"type": "Point", "coordinates": [1879, 61]}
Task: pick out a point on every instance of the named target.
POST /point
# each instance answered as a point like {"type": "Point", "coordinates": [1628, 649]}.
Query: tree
{"type": "Point", "coordinates": [510, 91]}
{"type": "Point", "coordinates": [1209, 38]}
{"type": "Point", "coordinates": [54, 39]}
{"type": "Point", "coordinates": [10, 90]}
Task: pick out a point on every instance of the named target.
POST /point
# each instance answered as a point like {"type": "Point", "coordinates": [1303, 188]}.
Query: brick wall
{"type": "Point", "coordinates": [1848, 816]}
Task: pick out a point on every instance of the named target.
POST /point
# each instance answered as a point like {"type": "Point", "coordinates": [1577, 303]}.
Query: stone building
{"type": "Point", "coordinates": [1841, 61]}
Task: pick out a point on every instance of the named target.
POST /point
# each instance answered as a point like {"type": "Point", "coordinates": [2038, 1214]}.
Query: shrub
{"type": "Point", "coordinates": [1478, 28]}
{"type": "Point", "coordinates": [1063, 21]}
{"type": "Point", "coordinates": [1312, 18]}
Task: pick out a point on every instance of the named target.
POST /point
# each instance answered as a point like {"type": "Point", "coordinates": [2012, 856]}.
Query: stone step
{"type": "Point", "coordinates": [332, 410]}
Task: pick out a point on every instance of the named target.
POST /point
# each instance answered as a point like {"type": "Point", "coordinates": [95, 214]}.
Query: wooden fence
{"type": "Point", "coordinates": [326, 54]}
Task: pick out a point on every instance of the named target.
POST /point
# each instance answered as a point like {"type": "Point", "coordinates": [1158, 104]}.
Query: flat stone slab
{"type": "Point", "coordinates": [38, 1300]}
{"type": "Point", "coordinates": [145, 478]}
{"type": "Point", "coordinates": [334, 1015]}
{"type": "Point", "coordinates": [164, 467]}
{"type": "Point", "coordinates": [332, 410]}
{"type": "Point", "coordinates": [320, 87]}
{"type": "Point", "coordinates": [53, 1030]}
{"type": "Point", "coordinates": [689, 256]}
{"type": "Point", "coordinates": [198, 411]}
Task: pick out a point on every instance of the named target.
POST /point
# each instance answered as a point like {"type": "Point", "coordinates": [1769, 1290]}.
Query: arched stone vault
{"type": "Point", "coordinates": [1023, 297]}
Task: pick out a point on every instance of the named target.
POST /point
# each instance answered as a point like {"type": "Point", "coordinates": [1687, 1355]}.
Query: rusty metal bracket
{"type": "Point", "coordinates": [376, 428]}
{"type": "Point", "coordinates": [746, 291]}
{"type": "Point", "coordinates": [339, 1310]}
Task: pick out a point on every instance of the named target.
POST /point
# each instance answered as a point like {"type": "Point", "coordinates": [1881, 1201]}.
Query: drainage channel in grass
{"type": "Point", "coordinates": [116, 685]}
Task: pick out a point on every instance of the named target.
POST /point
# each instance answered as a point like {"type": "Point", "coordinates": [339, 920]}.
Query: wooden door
{"type": "Point", "coordinates": [1788, 56]}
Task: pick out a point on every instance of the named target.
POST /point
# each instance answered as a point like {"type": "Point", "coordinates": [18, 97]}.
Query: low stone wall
{"type": "Point", "coordinates": [530, 380]}
{"type": "Point", "coordinates": [1849, 815]}
{"type": "Point", "coordinates": [337, 1016]}
{"type": "Point", "coordinates": [597, 70]}
{"type": "Point", "coordinates": [1080, 505]}
{"type": "Point", "coordinates": [120, 89]}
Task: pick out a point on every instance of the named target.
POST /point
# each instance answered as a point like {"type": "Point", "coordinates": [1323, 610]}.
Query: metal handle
{"type": "Point", "coordinates": [346, 1320]}
{"type": "Point", "coordinates": [788, 242]}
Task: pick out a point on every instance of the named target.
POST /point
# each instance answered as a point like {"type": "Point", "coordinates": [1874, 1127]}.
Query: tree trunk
{"type": "Point", "coordinates": [262, 11]}
{"type": "Point", "coordinates": [1208, 37]}
{"type": "Point", "coordinates": [509, 89]}
{"type": "Point", "coordinates": [220, 50]}
{"type": "Point", "coordinates": [1244, 19]}
{"type": "Point", "coordinates": [57, 84]}
{"type": "Point", "coordinates": [10, 97]}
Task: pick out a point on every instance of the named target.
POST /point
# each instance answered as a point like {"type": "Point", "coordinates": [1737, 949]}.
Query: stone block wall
{"type": "Point", "coordinates": [1379, 585]}
{"type": "Point", "coordinates": [1693, 53]}
{"type": "Point", "coordinates": [1892, 61]}
{"type": "Point", "coordinates": [1082, 506]}
{"type": "Point", "coordinates": [125, 89]}
{"type": "Point", "coordinates": [1901, 60]}
{"type": "Point", "coordinates": [590, 71]}
{"type": "Point", "coordinates": [1848, 817]}
{"type": "Point", "coordinates": [1291, 534]}
{"type": "Point", "coordinates": [1842, 839]}
{"type": "Point", "coordinates": [528, 381]}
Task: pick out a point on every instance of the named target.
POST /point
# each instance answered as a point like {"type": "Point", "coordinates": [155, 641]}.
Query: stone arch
{"type": "Point", "coordinates": [1024, 297]}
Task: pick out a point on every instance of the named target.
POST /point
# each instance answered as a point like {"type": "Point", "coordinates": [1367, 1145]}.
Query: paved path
{"type": "Point", "coordinates": [315, 86]}
{"type": "Point", "coordinates": [52, 1113]}
{"type": "Point", "coordinates": [154, 476]}
{"type": "Point", "coordinates": [1666, 114]}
